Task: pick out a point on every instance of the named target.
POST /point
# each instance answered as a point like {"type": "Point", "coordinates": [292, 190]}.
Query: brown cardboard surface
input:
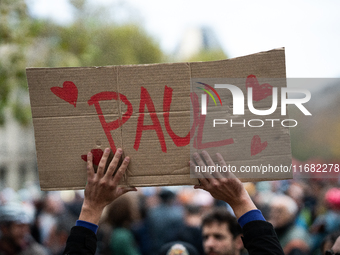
{"type": "Point", "coordinates": [67, 126]}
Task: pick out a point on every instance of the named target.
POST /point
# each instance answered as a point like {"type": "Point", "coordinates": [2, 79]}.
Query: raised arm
{"type": "Point", "coordinates": [227, 187]}
{"type": "Point", "coordinates": [101, 189]}
{"type": "Point", "coordinates": [259, 236]}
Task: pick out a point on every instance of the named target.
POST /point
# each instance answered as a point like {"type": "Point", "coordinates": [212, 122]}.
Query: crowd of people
{"type": "Point", "coordinates": [305, 215]}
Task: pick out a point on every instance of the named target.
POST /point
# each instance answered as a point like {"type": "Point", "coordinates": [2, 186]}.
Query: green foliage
{"type": "Point", "coordinates": [15, 29]}
{"type": "Point", "coordinates": [91, 40]}
{"type": "Point", "coordinates": [209, 55]}
{"type": "Point", "coordinates": [22, 113]}
{"type": "Point", "coordinates": [124, 45]}
{"type": "Point", "coordinates": [109, 45]}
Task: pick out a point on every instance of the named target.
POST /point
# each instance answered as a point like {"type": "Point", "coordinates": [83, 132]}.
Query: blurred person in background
{"type": "Point", "coordinates": [221, 233]}
{"type": "Point", "coordinates": [59, 232]}
{"type": "Point", "coordinates": [52, 206]}
{"type": "Point", "coordinates": [117, 237]}
{"type": "Point", "coordinates": [190, 232]}
{"type": "Point", "coordinates": [294, 239]}
{"type": "Point", "coordinates": [304, 215]}
{"type": "Point", "coordinates": [329, 221]}
{"type": "Point", "coordinates": [328, 243]}
{"type": "Point", "coordinates": [139, 227]}
{"type": "Point", "coordinates": [102, 189]}
{"type": "Point", "coordinates": [15, 236]}
{"type": "Point", "coordinates": [178, 248]}
{"type": "Point", "coordinates": [335, 250]}
{"type": "Point", "coordinates": [164, 220]}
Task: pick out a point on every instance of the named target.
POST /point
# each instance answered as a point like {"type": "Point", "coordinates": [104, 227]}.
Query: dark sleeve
{"type": "Point", "coordinates": [260, 238]}
{"type": "Point", "coordinates": [297, 251]}
{"type": "Point", "coordinates": [81, 241]}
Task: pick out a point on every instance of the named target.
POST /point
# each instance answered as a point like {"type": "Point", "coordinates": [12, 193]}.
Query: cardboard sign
{"type": "Point", "coordinates": [145, 109]}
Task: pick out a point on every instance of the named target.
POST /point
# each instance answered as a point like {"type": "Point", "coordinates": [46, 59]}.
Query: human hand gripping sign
{"type": "Point", "coordinates": [102, 187]}
{"type": "Point", "coordinates": [226, 187]}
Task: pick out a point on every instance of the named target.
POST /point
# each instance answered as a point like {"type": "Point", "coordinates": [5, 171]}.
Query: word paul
{"type": "Point", "coordinates": [238, 100]}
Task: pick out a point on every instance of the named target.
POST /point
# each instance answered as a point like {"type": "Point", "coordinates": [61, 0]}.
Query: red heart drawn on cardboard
{"type": "Point", "coordinates": [97, 155]}
{"type": "Point", "coordinates": [256, 145]}
{"type": "Point", "coordinates": [259, 91]}
{"type": "Point", "coordinates": [69, 92]}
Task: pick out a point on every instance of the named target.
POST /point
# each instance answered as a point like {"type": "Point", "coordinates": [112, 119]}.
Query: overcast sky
{"type": "Point", "coordinates": [308, 29]}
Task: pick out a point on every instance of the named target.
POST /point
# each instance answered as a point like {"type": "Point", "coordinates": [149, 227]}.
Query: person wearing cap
{"type": "Point", "coordinates": [15, 236]}
{"type": "Point", "coordinates": [102, 188]}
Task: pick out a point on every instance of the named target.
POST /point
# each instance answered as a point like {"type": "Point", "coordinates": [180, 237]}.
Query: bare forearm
{"type": "Point", "coordinates": [89, 214]}
{"type": "Point", "coordinates": [243, 206]}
